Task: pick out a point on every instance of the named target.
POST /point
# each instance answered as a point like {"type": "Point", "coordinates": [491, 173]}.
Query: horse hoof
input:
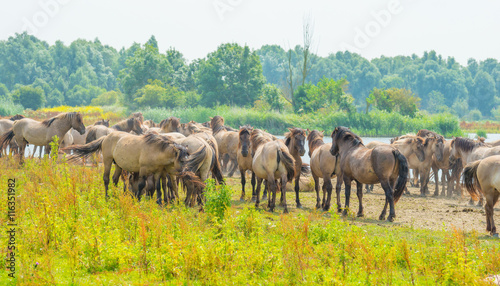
{"type": "Point", "coordinates": [390, 219]}
{"type": "Point", "coordinates": [360, 215]}
{"type": "Point", "coordinates": [344, 212]}
{"type": "Point", "coordinates": [381, 217]}
{"type": "Point", "coordinates": [325, 209]}
{"type": "Point", "coordinates": [422, 195]}
{"type": "Point", "coordinates": [285, 211]}
{"type": "Point", "coordinates": [436, 195]}
{"type": "Point", "coordinates": [299, 205]}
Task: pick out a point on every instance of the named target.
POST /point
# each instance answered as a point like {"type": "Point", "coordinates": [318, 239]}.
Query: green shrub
{"type": "Point", "coordinates": [8, 108]}
{"type": "Point", "coordinates": [481, 133]}
{"type": "Point", "coordinates": [218, 199]}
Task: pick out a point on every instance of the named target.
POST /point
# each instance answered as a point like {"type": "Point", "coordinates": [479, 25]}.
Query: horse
{"type": "Point", "coordinates": [126, 125]}
{"type": "Point", "coordinates": [484, 175]}
{"type": "Point", "coordinates": [170, 124]}
{"type": "Point", "coordinates": [295, 141]}
{"type": "Point", "coordinates": [445, 166]}
{"type": "Point", "coordinates": [145, 155]}
{"type": "Point", "coordinates": [323, 165]}
{"type": "Point", "coordinates": [271, 161]}
{"type": "Point", "coordinates": [6, 125]}
{"type": "Point", "coordinates": [30, 131]}
{"type": "Point", "coordinates": [408, 145]}
{"type": "Point", "coordinates": [150, 123]}
{"type": "Point", "coordinates": [79, 139]}
{"type": "Point", "coordinates": [139, 116]}
{"type": "Point", "coordinates": [243, 158]}
{"type": "Point", "coordinates": [227, 141]}
{"type": "Point", "coordinates": [433, 147]}
{"type": "Point", "coordinates": [382, 164]}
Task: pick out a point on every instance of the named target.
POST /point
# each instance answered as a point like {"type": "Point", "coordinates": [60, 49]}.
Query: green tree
{"type": "Point", "coordinates": [29, 97]}
{"type": "Point", "coordinates": [273, 96]}
{"type": "Point", "coordinates": [107, 98]}
{"type": "Point", "coordinates": [232, 75]}
{"type": "Point", "coordinates": [394, 99]}
{"type": "Point", "coordinates": [4, 92]}
{"type": "Point", "coordinates": [157, 94]}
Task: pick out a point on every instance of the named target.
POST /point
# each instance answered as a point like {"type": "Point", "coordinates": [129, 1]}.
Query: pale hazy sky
{"type": "Point", "coordinates": [462, 29]}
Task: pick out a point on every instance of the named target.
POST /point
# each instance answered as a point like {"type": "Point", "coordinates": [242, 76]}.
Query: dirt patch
{"type": "Point", "coordinates": [433, 213]}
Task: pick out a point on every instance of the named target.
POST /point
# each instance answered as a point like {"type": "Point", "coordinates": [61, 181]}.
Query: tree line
{"type": "Point", "coordinates": [35, 74]}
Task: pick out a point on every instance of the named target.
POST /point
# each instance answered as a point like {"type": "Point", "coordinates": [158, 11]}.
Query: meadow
{"type": "Point", "coordinates": [68, 234]}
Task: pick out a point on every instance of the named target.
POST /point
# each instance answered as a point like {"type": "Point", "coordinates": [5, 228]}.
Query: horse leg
{"type": "Point", "coordinates": [265, 194]}
{"type": "Point", "coordinates": [490, 203]}
{"type": "Point", "coordinates": [316, 188]}
{"type": "Point", "coordinates": [360, 198]}
{"type": "Point", "coordinates": [157, 181]}
{"type": "Point", "coordinates": [389, 199]}
{"type": "Point", "coordinates": [253, 187]}
{"type": "Point", "coordinates": [243, 181]}
{"type": "Point", "coordinates": [283, 189]}
{"type": "Point", "coordinates": [435, 170]}
{"type": "Point", "coordinates": [297, 188]}
{"type": "Point", "coordinates": [273, 186]}
{"type": "Point", "coordinates": [481, 200]}
{"type": "Point", "coordinates": [234, 166]}
{"type": "Point", "coordinates": [338, 188]}
{"type": "Point", "coordinates": [416, 174]}
{"type": "Point", "coordinates": [141, 185]}
{"type": "Point", "coordinates": [328, 187]}
{"type": "Point", "coordinates": [257, 192]}
{"type": "Point", "coordinates": [422, 184]}
{"type": "Point", "coordinates": [105, 177]}
{"type": "Point", "coordinates": [347, 183]}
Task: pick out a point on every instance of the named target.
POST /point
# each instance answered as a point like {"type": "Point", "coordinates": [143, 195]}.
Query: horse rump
{"type": "Point", "coordinates": [470, 180]}
{"type": "Point", "coordinates": [403, 174]}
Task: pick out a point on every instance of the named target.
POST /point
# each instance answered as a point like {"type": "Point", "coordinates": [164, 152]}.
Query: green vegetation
{"type": "Point", "coordinates": [68, 234]}
{"type": "Point", "coordinates": [481, 133]}
{"type": "Point", "coordinates": [374, 123]}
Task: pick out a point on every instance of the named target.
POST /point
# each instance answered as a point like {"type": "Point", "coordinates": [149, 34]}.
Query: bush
{"type": "Point", "coordinates": [8, 108]}
{"type": "Point", "coordinates": [218, 199]}
{"type": "Point", "coordinates": [482, 133]}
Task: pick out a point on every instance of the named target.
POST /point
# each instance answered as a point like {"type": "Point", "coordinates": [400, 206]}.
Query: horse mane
{"type": "Point", "coordinates": [426, 133]}
{"type": "Point", "coordinates": [102, 122]}
{"type": "Point", "coordinates": [67, 115]}
{"type": "Point", "coordinates": [174, 121]}
{"type": "Point", "coordinates": [257, 138]}
{"type": "Point", "coordinates": [217, 124]}
{"type": "Point", "coordinates": [16, 117]}
{"type": "Point", "coordinates": [466, 144]}
{"type": "Point", "coordinates": [164, 142]}
{"type": "Point", "coordinates": [343, 133]}
{"type": "Point", "coordinates": [315, 139]}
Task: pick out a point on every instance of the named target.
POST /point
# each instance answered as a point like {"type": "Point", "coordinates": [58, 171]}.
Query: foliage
{"type": "Point", "coordinates": [475, 115]}
{"type": "Point", "coordinates": [231, 75]}
{"type": "Point", "coordinates": [9, 108]}
{"type": "Point", "coordinates": [328, 94]}
{"type": "Point", "coordinates": [273, 97]}
{"type": "Point", "coordinates": [29, 97]}
{"type": "Point", "coordinates": [90, 113]}
{"type": "Point", "coordinates": [72, 235]}
{"type": "Point", "coordinates": [4, 92]}
{"type": "Point", "coordinates": [218, 199]}
{"type": "Point", "coordinates": [481, 133]}
{"type": "Point", "coordinates": [394, 99]}
{"type": "Point", "coordinates": [107, 98]}
{"type": "Point", "coordinates": [158, 94]}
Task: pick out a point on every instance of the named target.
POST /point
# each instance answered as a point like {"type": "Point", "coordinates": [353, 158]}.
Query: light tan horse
{"type": "Point", "coordinates": [6, 125]}
{"type": "Point", "coordinates": [150, 123]}
{"type": "Point", "coordinates": [433, 147]}
{"type": "Point", "coordinates": [144, 155]}
{"type": "Point", "coordinates": [271, 161]}
{"type": "Point", "coordinates": [170, 124]}
{"type": "Point", "coordinates": [30, 131]}
{"type": "Point", "coordinates": [227, 141]}
{"type": "Point", "coordinates": [295, 141]}
{"type": "Point", "coordinates": [79, 139]}
{"type": "Point", "coordinates": [485, 175]}
{"type": "Point", "coordinates": [382, 164]}
{"type": "Point", "coordinates": [244, 158]}
{"type": "Point", "coordinates": [126, 125]}
{"type": "Point", "coordinates": [323, 165]}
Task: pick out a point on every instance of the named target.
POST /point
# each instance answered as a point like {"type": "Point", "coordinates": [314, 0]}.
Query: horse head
{"type": "Point", "coordinates": [296, 137]}
{"type": "Point", "coordinates": [137, 126]}
{"type": "Point", "coordinates": [77, 123]}
{"type": "Point", "coordinates": [244, 139]}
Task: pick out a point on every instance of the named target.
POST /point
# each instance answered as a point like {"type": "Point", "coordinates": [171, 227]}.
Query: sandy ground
{"type": "Point", "coordinates": [433, 213]}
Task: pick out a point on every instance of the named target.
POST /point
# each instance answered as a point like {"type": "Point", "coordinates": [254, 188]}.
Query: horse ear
{"type": "Point", "coordinates": [323, 132]}
{"type": "Point", "coordinates": [211, 118]}
{"type": "Point", "coordinates": [308, 130]}
{"type": "Point", "coordinates": [290, 129]}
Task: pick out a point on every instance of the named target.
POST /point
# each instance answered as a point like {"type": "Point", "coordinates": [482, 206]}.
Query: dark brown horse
{"type": "Point", "coordinates": [244, 158]}
{"type": "Point", "coordinates": [382, 164]}
{"type": "Point", "coordinates": [295, 141]}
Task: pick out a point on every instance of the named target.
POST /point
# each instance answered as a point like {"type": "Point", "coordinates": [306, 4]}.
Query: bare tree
{"type": "Point", "coordinates": [307, 33]}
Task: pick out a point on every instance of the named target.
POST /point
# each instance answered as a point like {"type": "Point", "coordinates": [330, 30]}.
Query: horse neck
{"type": "Point", "coordinates": [315, 144]}
{"type": "Point", "coordinates": [122, 126]}
{"type": "Point", "coordinates": [346, 146]}
{"type": "Point", "coordinates": [405, 148]}
{"type": "Point", "coordinates": [61, 127]}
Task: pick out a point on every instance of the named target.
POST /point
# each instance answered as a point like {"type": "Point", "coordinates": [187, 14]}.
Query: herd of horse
{"type": "Point", "coordinates": [157, 157]}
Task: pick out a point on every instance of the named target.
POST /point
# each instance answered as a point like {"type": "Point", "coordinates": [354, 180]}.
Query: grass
{"type": "Point", "coordinates": [69, 234]}
{"type": "Point", "coordinates": [484, 126]}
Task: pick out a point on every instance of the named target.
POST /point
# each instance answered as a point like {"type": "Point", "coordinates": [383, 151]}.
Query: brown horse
{"type": "Point", "coordinates": [126, 125]}
{"type": "Point", "coordinates": [484, 175]}
{"type": "Point", "coordinates": [382, 164]}
{"type": "Point", "coordinates": [433, 147]}
{"type": "Point", "coordinates": [145, 155]}
{"type": "Point", "coordinates": [6, 125]}
{"type": "Point", "coordinates": [271, 161]}
{"type": "Point", "coordinates": [79, 139]}
{"type": "Point", "coordinates": [295, 141]}
{"type": "Point", "coordinates": [323, 165]}
{"type": "Point", "coordinates": [30, 131]}
{"type": "Point", "coordinates": [150, 123]}
{"type": "Point", "coordinates": [227, 141]}
{"type": "Point", "coordinates": [245, 159]}
{"type": "Point", "coordinates": [139, 116]}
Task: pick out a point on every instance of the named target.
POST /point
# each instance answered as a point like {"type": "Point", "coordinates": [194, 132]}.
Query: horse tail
{"type": "Point", "coordinates": [403, 174]}
{"type": "Point", "coordinates": [85, 151]}
{"type": "Point", "coordinates": [288, 162]}
{"type": "Point", "coordinates": [91, 135]}
{"type": "Point", "coordinates": [194, 161]}
{"type": "Point", "coordinates": [194, 187]}
{"type": "Point", "coordinates": [6, 138]}
{"type": "Point", "coordinates": [305, 169]}
{"type": "Point", "coordinates": [216, 168]}
{"type": "Point", "coordinates": [470, 179]}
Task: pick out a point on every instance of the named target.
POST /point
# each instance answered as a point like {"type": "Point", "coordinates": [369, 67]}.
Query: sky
{"type": "Point", "coordinates": [372, 28]}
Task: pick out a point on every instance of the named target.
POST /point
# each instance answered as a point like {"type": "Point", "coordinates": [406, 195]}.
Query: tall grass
{"type": "Point", "coordinates": [69, 234]}
{"type": "Point", "coordinates": [375, 123]}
